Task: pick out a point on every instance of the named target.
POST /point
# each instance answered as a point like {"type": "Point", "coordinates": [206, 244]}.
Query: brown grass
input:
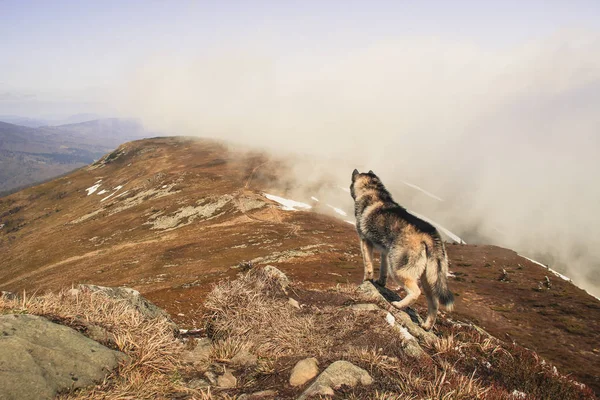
{"type": "Point", "coordinates": [152, 368]}
{"type": "Point", "coordinates": [252, 313]}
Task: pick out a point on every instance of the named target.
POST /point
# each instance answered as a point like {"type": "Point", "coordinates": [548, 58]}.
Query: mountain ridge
{"type": "Point", "coordinates": [173, 216]}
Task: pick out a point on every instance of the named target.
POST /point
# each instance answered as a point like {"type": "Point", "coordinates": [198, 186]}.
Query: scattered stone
{"type": "Point", "coordinates": [197, 383]}
{"type": "Point", "coordinates": [227, 380]}
{"type": "Point", "coordinates": [211, 376]}
{"type": "Point", "coordinates": [277, 275]}
{"type": "Point", "coordinates": [294, 303]}
{"type": "Point", "coordinates": [39, 358]}
{"type": "Point", "coordinates": [199, 354]}
{"type": "Point", "coordinates": [547, 282]}
{"type": "Point", "coordinates": [365, 307]}
{"type": "Point", "coordinates": [304, 371]}
{"type": "Point", "coordinates": [264, 394]}
{"type": "Point", "coordinates": [244, 359]}
{"type": "Point", "coordinates": [337, 374]}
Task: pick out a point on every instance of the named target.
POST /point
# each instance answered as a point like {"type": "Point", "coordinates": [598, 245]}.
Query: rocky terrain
{"type": "Point", "coordinates": [263, 337]}
{"type": "Point", "coordinates": [172, 217]}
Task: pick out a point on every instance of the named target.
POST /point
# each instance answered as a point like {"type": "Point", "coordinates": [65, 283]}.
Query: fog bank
{"type": "Point", "coordinates": [509, 139]}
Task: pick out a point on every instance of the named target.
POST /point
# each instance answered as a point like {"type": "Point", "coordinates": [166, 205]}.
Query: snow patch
{"type": "Point", "coordinates": [101, 192]}
{"type": "Point", "coordinates": [314, 198]}
{"type": "Point", "coordinates": [92, 189]}
{"type": "Point", "coordinates": [350, 222]}
{"type": "Point", "coordinates": [338, 210]}
{"type": "Point", "coordinates": [390, 319]}
{"type": "Point", "coordinates": [288, 205]}
{"type": "Point", "coordinates": [406, 334]}
{"type": "Point", "coordinates": [440, 227]}
{"type": "Point", "coordinates": [1, 226]}
{"type": "Point", "coordinates": [450, 274]}
{"type": "Point", "coordinates": [344, 189]}
{"type": "Point", "coordinates": [566, 278]}
{"type": "Point", "coordinates": [433, 196]}
{"type": "Point", "coordinates": [518, 395]}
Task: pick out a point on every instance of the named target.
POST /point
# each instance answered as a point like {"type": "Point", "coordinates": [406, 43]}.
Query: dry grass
{"type": "Point", "coordinates": [153, 350]}
{"type": "Point", "coordinates": [252, 313]}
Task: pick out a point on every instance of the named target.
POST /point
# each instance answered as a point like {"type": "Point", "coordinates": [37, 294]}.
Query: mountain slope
{"type": "Point", "coordinates": [172, 216]}
{"type": "Point", "coordinates": [29, 155]}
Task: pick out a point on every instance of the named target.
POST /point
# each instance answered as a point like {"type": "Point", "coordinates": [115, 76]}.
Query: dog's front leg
{"type": "Point", "coordinates": [383, 270]}
{"type": "Point", "coordinates": [366, 248]}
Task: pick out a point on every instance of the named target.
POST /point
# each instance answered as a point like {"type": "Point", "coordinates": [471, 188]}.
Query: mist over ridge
{"type": "Point", "coordinates": [508, 138]}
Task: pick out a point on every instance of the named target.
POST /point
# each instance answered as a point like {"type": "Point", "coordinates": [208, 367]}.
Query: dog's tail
{"type": "Point", "coordinates": [437, 275]}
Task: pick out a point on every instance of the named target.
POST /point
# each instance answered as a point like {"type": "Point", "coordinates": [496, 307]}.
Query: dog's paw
{"type": "Point", "coordinates": [426, 326]}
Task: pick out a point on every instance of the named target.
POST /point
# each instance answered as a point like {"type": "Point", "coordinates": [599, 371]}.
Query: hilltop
{"type": "Point", "coordinates": [171, 217]}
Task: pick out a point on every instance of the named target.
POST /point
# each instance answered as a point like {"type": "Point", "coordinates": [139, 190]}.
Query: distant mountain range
{"type": "Point", "coordinates": [29, 155]}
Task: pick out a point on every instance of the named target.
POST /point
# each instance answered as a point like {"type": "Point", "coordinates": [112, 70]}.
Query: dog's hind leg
{"type": "Point", "coordinates": [383, 270]}
{"type": "Point", "coordinates": [406, 267]}
{"type": "Point", "coordinates": [433, 303]}
{"type": "Point", "coordinates": [366, 248]}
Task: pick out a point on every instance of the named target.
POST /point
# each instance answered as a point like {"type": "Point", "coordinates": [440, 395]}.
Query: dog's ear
{"type": "Point", "coordinates": [371, 172]}
{"type": "Point", "coordinates": [354, 173]}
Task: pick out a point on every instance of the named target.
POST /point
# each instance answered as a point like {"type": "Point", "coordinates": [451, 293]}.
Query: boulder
{"type": "Point", "coordinates": [39, 358]}
{"type": "Point", "coordinates": [304, 371]}
{"type": "Point", "coordinates": [337, 374]}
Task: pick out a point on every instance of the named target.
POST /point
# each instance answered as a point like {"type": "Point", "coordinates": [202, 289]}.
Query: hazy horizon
{"type": "Point", "coordinates": [492, 107]}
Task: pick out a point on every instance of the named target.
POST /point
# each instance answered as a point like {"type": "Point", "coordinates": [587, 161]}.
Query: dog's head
{"type": "Point", "coordinates": [362, 182]}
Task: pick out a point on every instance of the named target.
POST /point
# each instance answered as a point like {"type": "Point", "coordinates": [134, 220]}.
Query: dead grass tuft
{"type": "Point", "coordinates": [150, 344]}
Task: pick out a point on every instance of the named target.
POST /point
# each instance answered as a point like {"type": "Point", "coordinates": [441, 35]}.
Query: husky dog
{"type": "Point", "coordinates": [410, 247]}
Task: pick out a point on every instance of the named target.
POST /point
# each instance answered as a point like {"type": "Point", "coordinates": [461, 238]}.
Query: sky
{"type": "Point", "coordinates": [490, 105]}
{"type": "Point", "coordinates": [73, 51]}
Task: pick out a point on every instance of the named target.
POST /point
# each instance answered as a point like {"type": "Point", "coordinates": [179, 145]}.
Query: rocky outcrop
{"type": "Point", "coordinates": [337, 374]}
{"type": "Point", "coordinates": [39, 358]}
{"type": "Point", "coordinates": [408, 319]}
{"type": "Point", "coordinates": [132, 296]}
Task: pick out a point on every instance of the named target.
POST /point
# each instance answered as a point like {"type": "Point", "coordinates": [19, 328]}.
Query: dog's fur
{"type": "Point", "coordinates": [411, 249]}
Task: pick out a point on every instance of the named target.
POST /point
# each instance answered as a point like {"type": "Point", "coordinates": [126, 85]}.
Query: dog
{"type": "Point", "coordinates": [411, 249]}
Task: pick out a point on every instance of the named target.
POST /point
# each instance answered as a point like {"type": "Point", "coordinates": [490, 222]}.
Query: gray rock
{"type": "Point", "coordinates": [277, 275]}
{"type": "Point", "coordinates": [244, 359]}
{"type": "Point", "coordinates": [304, 371]}
{"type": "Point", "coordinates": [211, 376]}
{"type": "Point", "coordinates": [365, 307]}
{"type": "Point", "coordinates": [372, 293]}
{"type": "Point", "coordinates": [199, 354]}
{"type": "Point", "coordinates": [227, 380]}
{"type": "Point", "coordinates": [197, 383]}
{"type": "Point", "coordinates": [294, 303]}
{"type": "Point", "coordinates": [39, 358]}
{"type": "Point", "coordinates": [264, 394]}
{"type": "Point", "coordinates": [134, 297]}
{"type": "Point", "coordinates": [337, 374]}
